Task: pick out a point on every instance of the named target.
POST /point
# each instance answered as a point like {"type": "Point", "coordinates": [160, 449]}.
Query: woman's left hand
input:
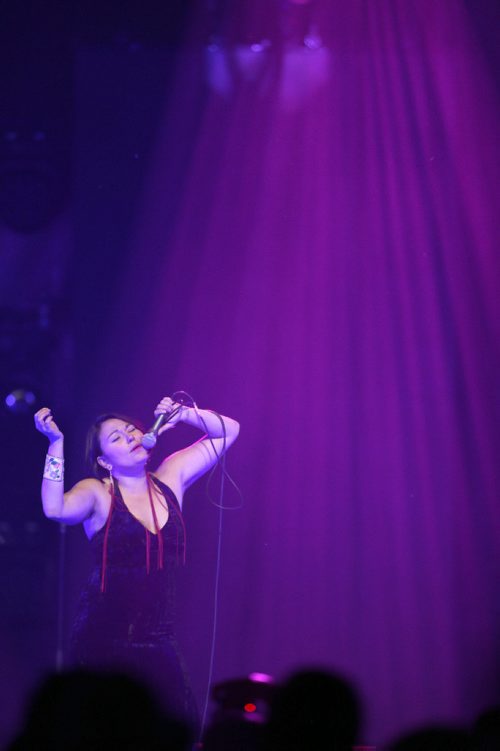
{"type": "Point", "coordinates": [166, 407]}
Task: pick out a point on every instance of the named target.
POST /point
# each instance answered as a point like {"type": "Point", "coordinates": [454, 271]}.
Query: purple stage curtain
{"type": "Point", "coordinates": [330, 278]}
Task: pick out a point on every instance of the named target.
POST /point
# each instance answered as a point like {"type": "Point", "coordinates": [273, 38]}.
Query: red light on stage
{"type": "Point", "coordinates": [250, 708]}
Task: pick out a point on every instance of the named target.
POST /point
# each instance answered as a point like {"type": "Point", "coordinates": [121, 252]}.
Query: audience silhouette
{"type": "Point", "coordinates": [90, 711]}
{"type": "Point", "coordinates": [486, 730]}
{"type": "Point", "coordinates": [314, 709]}
{"type": "Point", "coordinates": [438, 738]}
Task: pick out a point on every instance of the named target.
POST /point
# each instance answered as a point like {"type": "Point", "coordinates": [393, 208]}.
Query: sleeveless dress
{"type": "Point", "coordinates": [130, 625]}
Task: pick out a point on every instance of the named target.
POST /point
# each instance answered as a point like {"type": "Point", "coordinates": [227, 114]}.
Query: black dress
{"type": "Point", "coordinates": [125, 617]}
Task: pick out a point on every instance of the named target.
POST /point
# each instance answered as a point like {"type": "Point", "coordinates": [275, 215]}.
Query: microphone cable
{"type": "Point", "coordinates": [220, 461]}
{"type": "Point", "coordinates": [215, 610]}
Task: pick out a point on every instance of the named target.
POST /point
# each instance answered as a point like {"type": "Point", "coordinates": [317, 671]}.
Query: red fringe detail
{"type": "Point", "coordinates": [158, 531]}
{"type": "Point", "coordinates": [148, 550]}
{"type": "Point", "coordinates": [106, 532]}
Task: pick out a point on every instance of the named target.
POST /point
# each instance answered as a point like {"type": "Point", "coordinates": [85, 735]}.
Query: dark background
{"type": "Point", "coordinates": [84, 91]}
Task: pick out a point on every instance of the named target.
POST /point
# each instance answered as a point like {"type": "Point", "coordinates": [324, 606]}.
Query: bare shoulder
{"type": "Point", "coordinates": [88, 486]}
{"type": "Point", "coordinates": [91, 493]}
{"type": "Point", "coordinates": [168, 474]}
{"type": "Point", "coordinates": [99, 491]}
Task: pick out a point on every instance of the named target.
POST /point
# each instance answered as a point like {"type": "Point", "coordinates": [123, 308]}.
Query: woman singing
{"type": "Point", "coordinates": [133, 520]}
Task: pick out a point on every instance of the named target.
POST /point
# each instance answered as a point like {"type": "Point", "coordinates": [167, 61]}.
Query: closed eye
{"type": "Point", "coordinates": [118, 434]}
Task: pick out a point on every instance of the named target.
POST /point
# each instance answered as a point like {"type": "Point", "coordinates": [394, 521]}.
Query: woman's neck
{"type": "Point", "coordinates": [136, 483]}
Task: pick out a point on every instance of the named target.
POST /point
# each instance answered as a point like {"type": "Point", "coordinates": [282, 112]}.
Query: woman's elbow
{"type": "Point", "coordinates": [52, 514]}
{"type": "Point", "coordinates": [235, 429]}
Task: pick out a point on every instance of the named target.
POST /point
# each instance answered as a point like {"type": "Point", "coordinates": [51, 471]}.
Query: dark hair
{"type": "Point", "coordinates": [93, 446]}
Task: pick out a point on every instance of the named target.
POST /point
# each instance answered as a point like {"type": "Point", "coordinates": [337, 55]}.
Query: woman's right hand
{"type": "Point", "coordinates": [44, 422]}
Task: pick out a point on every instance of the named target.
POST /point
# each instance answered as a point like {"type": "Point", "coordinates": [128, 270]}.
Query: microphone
{"type": "Point", "coordinates": [149, 439]}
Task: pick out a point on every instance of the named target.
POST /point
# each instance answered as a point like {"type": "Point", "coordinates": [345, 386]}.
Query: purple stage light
{"type": "Point", "coordinates": [20, 401]}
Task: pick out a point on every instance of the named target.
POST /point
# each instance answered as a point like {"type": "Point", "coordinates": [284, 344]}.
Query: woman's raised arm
{"type": "Point", "coordinates": [188, 464]}
{"type": "Point", "coordinates": [78, 503]}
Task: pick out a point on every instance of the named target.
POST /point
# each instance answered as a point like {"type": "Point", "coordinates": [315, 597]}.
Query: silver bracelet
{"type": "Point", "coordinates": [54, 468]}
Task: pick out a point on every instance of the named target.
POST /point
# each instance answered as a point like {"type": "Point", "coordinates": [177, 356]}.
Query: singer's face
{"type": "Point", "coordinates": [121, 443]}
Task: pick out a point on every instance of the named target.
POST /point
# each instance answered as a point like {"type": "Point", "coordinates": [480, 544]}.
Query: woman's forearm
{"type": "Point", "coordinates": [53, 480]}
{"type": "Point", "coordinates": [206, 420]}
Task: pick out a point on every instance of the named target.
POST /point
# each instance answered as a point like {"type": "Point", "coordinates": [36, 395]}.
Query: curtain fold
{"type": "Point", "coordinates": [330, 277]}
